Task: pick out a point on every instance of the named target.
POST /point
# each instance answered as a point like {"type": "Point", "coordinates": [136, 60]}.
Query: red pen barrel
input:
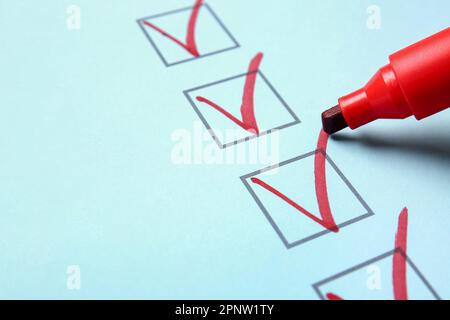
{"type": "Point", "coordinates": [416, 82]}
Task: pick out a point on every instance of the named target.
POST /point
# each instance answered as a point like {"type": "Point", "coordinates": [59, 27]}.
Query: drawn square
{"type": "Point", "coordinates": [213, 37]}
{"type": "Point", "coordinates": [295, 179]}
{"type": "Point", "coordinates": [271, 110]}
{"type": "Point", "coordinates": [372, 280]}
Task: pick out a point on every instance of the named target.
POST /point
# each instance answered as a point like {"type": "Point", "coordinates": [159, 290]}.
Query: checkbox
{"type": "Point", "coordinates": [241, 107]}
{"type": "Point", "coordinates": [187, 34]}
{"type": "Point", "coordinates": [372, 280]}
{"type": "Point", "coordinates": [298, 205]}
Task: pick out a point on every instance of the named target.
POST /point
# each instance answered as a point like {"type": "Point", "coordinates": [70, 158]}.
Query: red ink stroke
{"type": "Point", "coordinates": [190, 45]}
{"type": "Point", "coordinates": [399, 258]}
{"type": "Point", "coordinates": [399, 280]}
{"type": "Point", "coordinates": [248, 121]}
{"type": "Point", "coordinates": [332, 296]}
{"type": "Point", "coordinates": [326, 220]}
{"type": "Point", "coordinates": [320, 178]}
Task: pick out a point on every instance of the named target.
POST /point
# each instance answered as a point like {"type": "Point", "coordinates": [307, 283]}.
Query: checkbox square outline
{"type": "Point", "coordinates": [235, 45]}
{"type": "Point", "coordinates": [316, 286]}
{"type": "Point", "coordinates": [221, 145]}
{"type": "Point", "coordinates": [290, 245]}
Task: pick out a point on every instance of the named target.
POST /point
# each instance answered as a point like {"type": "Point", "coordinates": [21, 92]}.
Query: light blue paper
{"type": "Point", "coordinates": [90, 118]}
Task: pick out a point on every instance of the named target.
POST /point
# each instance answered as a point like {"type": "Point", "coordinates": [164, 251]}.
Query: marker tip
{"type": "Point", "coordinates": [333, 120]}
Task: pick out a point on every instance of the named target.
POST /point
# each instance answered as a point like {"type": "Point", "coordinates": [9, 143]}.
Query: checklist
{"type": "Point", "coordinates": [303, 198]}
{"type": "Point", "coordinates": [173, 149]}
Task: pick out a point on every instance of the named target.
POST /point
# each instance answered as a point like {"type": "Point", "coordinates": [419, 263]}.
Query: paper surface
{"type": "Point", "coordinates": [112, 186]}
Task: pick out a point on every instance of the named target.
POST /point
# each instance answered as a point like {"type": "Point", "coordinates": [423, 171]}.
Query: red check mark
{"type": "Point", "coordinates": [190, 44]}
{"type": "Point", "coordinates": [248, 121]}
{"type": "Point", "coordinates": [399, 281]}
{"type": "Point", "coordinates": [326, 220]}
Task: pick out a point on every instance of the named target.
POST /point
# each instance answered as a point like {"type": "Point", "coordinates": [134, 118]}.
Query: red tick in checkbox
{"type": "Point", "coordinates": [286, 197]}
{"type": "Point", "coordinates": [187, 34]}
{"type": "Point", "coordinates": [248, 121]}
{"type": "Point", "coordinates": [391, 275]}
{"type": "Point", "coordinates": [326, 219]}
{"type": "Point", "coordinates": [247, 103]}
{"type": "Point", "coordinates": [190, 45]}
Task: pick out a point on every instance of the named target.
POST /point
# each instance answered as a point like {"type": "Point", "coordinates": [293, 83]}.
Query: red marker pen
{"type": "Point", "coordinates": [415, 82]}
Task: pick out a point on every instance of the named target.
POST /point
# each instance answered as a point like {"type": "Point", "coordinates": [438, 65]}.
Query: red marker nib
{"type": "Point", "coordinates": [333, 120]}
